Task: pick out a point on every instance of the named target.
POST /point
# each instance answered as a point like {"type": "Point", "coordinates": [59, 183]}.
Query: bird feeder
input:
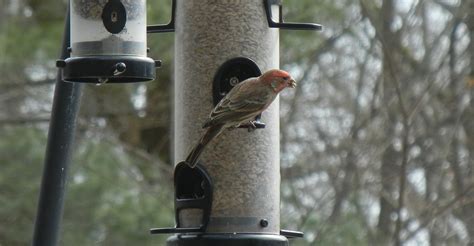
{"type": "Point", "coordinates": [232, 196]}
{"type": "Point", "coordinates": [108, 42]}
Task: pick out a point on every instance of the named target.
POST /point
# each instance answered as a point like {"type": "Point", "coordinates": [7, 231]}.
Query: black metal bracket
{"type": "Point", "coordinates": [193, 189]}
{"type": "Point", "coordinates": [229, 74]}
{"type": "Point", "coordinates": [286, 25]}
{"type": "Point", "coordinates": [167, 27]}
{"type": "Point", "coordinates": [170, 27]}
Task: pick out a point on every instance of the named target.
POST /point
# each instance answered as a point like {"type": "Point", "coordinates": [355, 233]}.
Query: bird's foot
{"type": "Point", "coordinates": [252, 126]}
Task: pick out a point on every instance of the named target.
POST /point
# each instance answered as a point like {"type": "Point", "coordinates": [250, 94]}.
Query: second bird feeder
{"type": "Point", "coordinates": [108, 42]}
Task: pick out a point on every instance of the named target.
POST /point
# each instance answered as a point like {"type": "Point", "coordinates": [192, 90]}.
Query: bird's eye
{"type": "Point", "coordinates": [286, 78]}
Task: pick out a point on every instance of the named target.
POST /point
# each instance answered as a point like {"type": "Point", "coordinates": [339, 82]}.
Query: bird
{"type": "Point", "coordinates": [241, 105]}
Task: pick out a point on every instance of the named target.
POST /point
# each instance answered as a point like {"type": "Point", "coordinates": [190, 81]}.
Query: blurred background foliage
{"type": "Point", "coordinates": [377, 141]}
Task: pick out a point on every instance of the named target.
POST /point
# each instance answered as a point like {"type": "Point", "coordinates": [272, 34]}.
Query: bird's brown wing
{"type": "Point", "coordinates": [243, 102]}
{"type": "Point", "coordinates": [235, 117]}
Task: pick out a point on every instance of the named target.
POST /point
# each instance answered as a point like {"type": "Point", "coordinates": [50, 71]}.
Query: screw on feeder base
{"type": "Point", "coordinates": [263, 223]}
{"type": "Point", "coordinates": [120, 68]}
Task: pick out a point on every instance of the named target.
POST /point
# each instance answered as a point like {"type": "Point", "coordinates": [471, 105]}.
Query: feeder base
{"type": "Point", "coordinates": [227, 240]}
{"type": "Point", "coordinates": [106, 69]}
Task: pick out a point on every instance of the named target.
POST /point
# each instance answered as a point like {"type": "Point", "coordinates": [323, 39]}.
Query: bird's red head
{"type": "Point", "coordinates": [278, 79]}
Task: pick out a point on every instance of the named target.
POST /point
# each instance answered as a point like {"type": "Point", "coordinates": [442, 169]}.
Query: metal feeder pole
{"type": "Point", "coordinates": [58, 155]}
{"type": "Point", "coordinates": [244, 166]}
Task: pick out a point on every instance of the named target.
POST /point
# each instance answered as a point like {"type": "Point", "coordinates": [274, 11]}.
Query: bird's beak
{"type": "Point", "coordinates": [292, 83]}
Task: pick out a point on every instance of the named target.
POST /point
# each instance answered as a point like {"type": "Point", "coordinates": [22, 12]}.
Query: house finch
{"type": "Point", "coordinates": [241, 105]}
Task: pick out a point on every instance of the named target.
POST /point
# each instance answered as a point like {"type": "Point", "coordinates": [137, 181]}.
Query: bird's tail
{"type": "Point", "coordinates": [210, 134]}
